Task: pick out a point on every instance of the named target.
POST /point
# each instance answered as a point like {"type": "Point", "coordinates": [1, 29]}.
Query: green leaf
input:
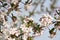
{"type": "Point", "coordinates": [30, 23]}
{"type": "Point", "coordinates": [4, 4]}
{"type": "Point", "coordinates": [54, 17]}
{"type": "Point", "coordinates": [58, 12]}
{"type": "Point", "coordinates": [52, 31]}
{"type": "Point", "coordinates": [14, 18]}
{"type": "Point", "coordinates": [9, 10]}
{"type": "Point", "coordinates": [57, 24]}
{"type": "Point", "coordinates": [29, 38]}
{"type": "Point", "coordinates": [37, 28]}
{"type": "Point", "coordinates": [12, 5]}
{"type": "Point", "coordinates": [13, 36]}
{"type": "Point", "coordinates": [26, 2]}
{"type": "Point", "coordinates": [5, 17]}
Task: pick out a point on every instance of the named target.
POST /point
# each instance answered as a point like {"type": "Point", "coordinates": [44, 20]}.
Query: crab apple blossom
{"type": "Point", "coordinates": [46, 20]}
{"type": "Point", "coordinates": [27, 19]}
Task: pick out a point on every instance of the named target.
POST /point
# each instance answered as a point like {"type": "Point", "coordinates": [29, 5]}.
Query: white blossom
{"type": "Point", "coordinates": [46, 20]}
{"type": "Point", "coordinates": [15, 1]}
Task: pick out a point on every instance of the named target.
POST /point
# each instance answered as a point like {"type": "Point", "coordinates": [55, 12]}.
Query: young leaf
{"type": "Point", "coordinates": [29, 38]}
{"type": "Point", "coordinates": [14, 18]}
{"type": "Point", "coordinates": [52, 30]}
{"type": "Point", "coordinates": [58, 12]}
{"type": "Point", "coordinates": [4, 4]}
{"type": "Point", "coordinates": [12, 5]}
{"type": "Point", "coordinates": [5, 17]}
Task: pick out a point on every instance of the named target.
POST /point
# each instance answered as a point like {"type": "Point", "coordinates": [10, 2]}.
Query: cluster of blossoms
{"type": "Point", "coordinates": [6, 28]}
{"type": "Point", "coordinates": [28, 29]}
{"type": "Point", "coordinates": [46, 20]}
